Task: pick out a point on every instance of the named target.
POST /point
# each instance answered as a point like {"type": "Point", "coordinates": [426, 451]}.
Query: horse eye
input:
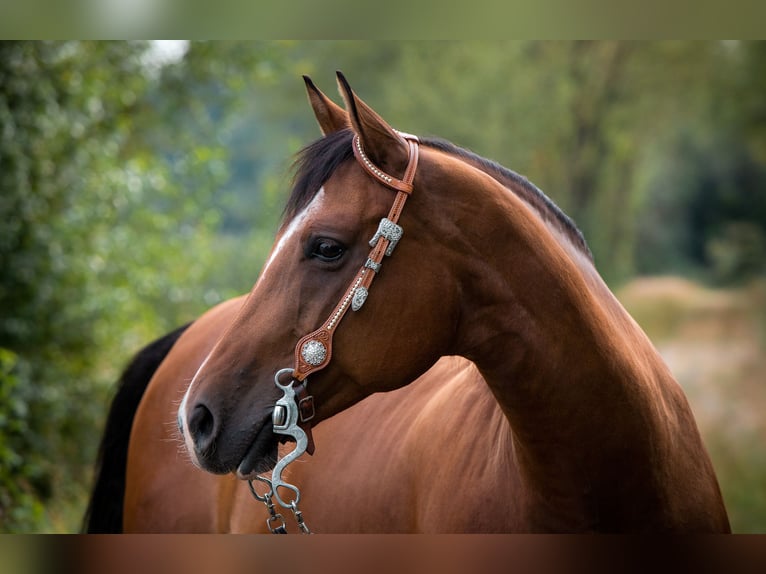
{"type": "Point", "coordinates": [327, 250]}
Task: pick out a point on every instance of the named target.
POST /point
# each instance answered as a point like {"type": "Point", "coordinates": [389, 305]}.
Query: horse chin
{"type": "Point", "coordinates": [262, 454]}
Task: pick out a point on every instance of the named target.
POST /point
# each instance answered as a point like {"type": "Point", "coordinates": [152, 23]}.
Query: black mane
{"type": "Point", "coordinates": [316, 162]}
{"type": "Point", "coordinates": [524, 188]}
{"type": "Point", "coordinates": [314, 165]}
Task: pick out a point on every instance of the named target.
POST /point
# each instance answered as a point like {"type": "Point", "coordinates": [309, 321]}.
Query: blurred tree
{"type": "Point", "coordinates": [596, 125]}
{"type": "Point", "coordinates": [617, 133]}
{"type": "Point", "coordinates": [108, 164]}
{"type": "Point", "coordinates": [705, 198]}
{"type": "Point", "coordinates": [64, 126]}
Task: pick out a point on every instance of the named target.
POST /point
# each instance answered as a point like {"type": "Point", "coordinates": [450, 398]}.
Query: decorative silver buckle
{"type": "Point", "coordinates": [370, 264]}
{"type": "Point", "coordinates": [360, 296]}
{"type": "Point", "coordinates": [389, 230]}
{"type": "Point", "coordinates": [314, 352]}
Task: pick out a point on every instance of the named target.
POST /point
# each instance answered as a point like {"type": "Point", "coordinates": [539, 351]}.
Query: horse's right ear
{"type": "Point", "coordinates": [382, 144]}
{"type": "Point", "coordinates": [330, 116]}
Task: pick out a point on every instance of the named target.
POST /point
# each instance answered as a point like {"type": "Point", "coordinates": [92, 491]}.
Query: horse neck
{"type": "Point", "coordinates": [586, 394]}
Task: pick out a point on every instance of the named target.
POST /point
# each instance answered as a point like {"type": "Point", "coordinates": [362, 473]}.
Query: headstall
{"type": "Point", "coordinates": [294, 411]}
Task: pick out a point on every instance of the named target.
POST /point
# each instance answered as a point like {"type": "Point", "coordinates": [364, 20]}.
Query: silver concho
{"type": "Point", "coordinates": [313, 352]}
{"type": "Point", "coordinates": [360, 296]}
{"type": "Point", "coordinates": [389, 230]}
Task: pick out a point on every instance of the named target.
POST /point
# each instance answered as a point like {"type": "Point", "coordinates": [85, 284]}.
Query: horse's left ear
{"type": "Point", "coordinates": [329, 115]}
{"type": "Point", "coordinates": [382, 144]}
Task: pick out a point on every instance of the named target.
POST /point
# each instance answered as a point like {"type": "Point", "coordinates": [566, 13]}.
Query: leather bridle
{"type": "Point", "coordinates": [314, 351]}
{"type": "Point", "coordinates": [294, 411]}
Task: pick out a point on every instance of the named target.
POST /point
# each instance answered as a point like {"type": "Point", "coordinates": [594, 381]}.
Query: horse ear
{"type": "Point", "coordinates": [382, 144]}
{"type": "Point", "coordinates": [330, 116]}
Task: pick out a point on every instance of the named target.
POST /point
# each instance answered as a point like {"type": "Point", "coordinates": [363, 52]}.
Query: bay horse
{"type": "Point", "coordinates": [538, 404]}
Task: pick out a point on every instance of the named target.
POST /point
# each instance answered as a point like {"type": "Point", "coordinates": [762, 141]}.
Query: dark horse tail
{"type": "Point", "coordinates": [104, 513]}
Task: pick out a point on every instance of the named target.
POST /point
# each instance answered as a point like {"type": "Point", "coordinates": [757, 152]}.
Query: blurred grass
{"type": "Point", "coordinates": [714, 341]}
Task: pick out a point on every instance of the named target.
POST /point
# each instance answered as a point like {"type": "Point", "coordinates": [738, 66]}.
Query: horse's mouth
{"type": "Point", "coordinates": [261, 455]}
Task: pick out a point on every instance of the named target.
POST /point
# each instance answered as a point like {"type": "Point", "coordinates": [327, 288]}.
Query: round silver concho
{"type": "Point", "coordinates": [313, 352]}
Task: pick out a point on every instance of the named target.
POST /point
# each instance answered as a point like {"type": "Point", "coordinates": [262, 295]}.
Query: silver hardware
{"type": "Point", "coordinates": [360, 296]}
{"type": "Point", "coordinates": [279, 416]}
{"type": "Point", "coordinates": [285, 419]}
{"type": "Point", "coordinates": [291, 429]}
{"type": "Point", "coordinates": [313, 352]}
{"type": "Point", "coordinates": [389, 230]}
{"type": "Point", "coordinates": [299, 518]}
{"type": "Point", "coordinates": [274, 516]}
{"type": "Point", "coordinates": [370, 264]}
{"type": "Point", "coordinates": [276, 522]}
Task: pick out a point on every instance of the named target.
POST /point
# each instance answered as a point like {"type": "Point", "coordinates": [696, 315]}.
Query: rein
{"type": "Point", "coordinates": [294, 411]}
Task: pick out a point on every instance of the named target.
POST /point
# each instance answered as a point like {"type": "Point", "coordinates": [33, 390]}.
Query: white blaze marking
{"type": "Point", "coordinates": [182, 411]}
{"type": "Point", "coordinates": [294, 227]}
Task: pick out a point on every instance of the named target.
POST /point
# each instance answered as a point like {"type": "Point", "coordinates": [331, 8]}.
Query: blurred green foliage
{"type": "Point", "coordinates": [108, 239]}
{"type": "Point", "coordinates": [136, 191]}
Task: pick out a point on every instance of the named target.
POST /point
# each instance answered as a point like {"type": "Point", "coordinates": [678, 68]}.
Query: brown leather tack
{"type": "Point", "coordinates": [324, 334]}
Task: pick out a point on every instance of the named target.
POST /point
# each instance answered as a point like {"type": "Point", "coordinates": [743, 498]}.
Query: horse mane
{"type": "Point", "coordinates": [315, 163]}
{"type": "Point", "coordinates": [521, 186]}
{"type": "Point", "coordinates": [313, 166]}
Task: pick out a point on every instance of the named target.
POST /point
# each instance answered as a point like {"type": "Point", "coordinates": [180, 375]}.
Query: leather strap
{"type": "Point", "coordinates": [305, 413]}
{"type": "Point", "coordinates": [404, 184]}
{"type": "Point", "coordinates": [314, 351]}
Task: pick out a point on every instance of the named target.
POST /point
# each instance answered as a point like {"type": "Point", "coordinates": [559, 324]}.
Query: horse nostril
{"type": "Point", "coordinates": [202, 427]}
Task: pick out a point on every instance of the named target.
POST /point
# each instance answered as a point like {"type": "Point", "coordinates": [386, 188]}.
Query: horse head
{"type": "Point", "coordinates": [309, 310]}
